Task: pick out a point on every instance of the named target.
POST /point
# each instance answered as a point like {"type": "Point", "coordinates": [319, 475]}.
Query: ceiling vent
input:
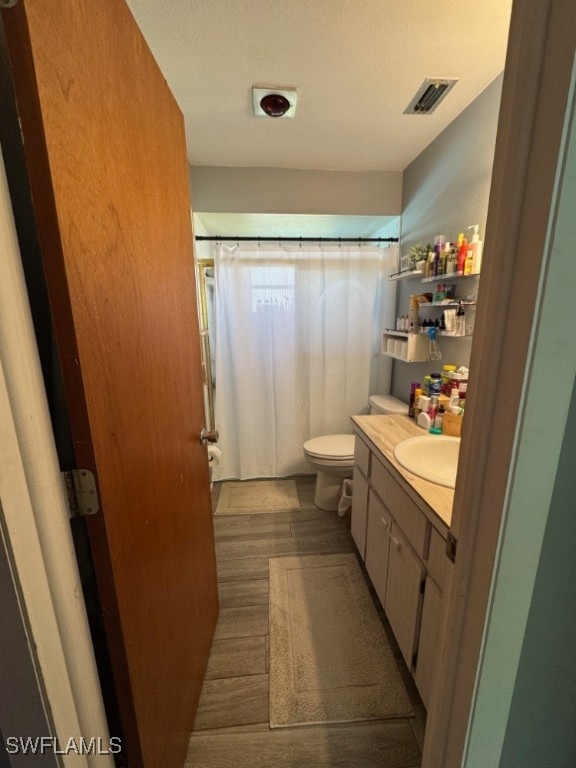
{"type": "Point", "coordinates": [429, 95]}
{"type": "Point", "coordinates": [274, 102]}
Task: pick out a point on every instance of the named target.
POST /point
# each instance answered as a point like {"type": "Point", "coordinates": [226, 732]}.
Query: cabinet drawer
{"type": "Point", "coordinates": [359, 510]}
{"type": "Point", "coordinates": [410, 519]}
{"type": "Point", "coordinates": [377, 544]}
{"type": "Point", "coordinates": [362, 455]}
{"type": "Point", "coordinates": [438, 565]}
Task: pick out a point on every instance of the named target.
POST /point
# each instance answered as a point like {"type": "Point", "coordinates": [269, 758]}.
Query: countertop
{"type": "Point", "coordinates": [385, 432]}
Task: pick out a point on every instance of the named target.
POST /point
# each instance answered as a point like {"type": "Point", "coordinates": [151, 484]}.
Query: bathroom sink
{"type": "Point", "coordinates": [431, 457]}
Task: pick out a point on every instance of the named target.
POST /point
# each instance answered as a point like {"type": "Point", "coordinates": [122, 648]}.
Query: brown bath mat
{"type": "Point", "coordinates": [258, 496]}
{"type": "Point", "coordinates": [330, 660]}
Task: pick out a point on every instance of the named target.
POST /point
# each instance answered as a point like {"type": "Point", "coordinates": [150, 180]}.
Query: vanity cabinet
{"type": "Point", "coordinates": [405, 559]}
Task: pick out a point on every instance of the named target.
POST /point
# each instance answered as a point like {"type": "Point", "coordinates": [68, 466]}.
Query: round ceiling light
{"type": "Point", "coordinates": [274, 104]}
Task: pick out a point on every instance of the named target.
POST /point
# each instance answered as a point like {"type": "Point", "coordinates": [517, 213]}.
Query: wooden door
{"type": "Point", "coordinates": [105, 148]}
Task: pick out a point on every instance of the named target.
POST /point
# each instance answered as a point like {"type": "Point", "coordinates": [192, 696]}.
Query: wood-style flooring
{"type": "Point", "coordinates": [231, 727]}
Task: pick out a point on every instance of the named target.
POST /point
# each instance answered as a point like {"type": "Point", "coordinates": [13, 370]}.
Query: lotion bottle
{"type": "Point", "coordinates": [475, 247]}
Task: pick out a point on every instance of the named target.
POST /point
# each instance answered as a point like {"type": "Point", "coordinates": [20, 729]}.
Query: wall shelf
{"type": "Point", "coordinates": [409, 274]}
{"type": "Point", "coordinates": [407, 347]}
{"type": "Point", "coordinates": [435, 278]}
{"type": "Point", "coordinates": [448, 304]}
{"type": "Point", "coordinates": [404, 274]}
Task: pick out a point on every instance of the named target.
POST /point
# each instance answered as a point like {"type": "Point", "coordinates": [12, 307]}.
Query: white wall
{"type": "Point", "coordinates": [283, 190]}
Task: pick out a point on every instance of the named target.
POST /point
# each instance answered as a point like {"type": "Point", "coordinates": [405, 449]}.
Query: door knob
{"type": "Point", "coordinates": [209, 436]}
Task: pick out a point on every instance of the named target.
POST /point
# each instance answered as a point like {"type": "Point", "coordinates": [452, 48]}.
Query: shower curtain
{"type": "Point", "coordinates": [298, 331]}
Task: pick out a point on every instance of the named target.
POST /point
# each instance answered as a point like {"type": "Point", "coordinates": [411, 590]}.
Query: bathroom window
{"type": "Point", "coordinates": [272, 287]}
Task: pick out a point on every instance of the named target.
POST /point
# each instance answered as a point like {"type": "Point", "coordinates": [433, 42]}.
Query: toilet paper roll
{"type": "Point", "coordinates": [214, 455]}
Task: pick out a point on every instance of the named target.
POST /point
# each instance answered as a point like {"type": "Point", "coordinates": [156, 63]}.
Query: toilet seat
{"type": "Point", "coordinates": [332, 447]}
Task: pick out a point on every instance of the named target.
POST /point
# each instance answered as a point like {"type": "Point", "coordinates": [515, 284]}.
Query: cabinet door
{"type": "Point", "coordinates": [429, 644]}
{"type": "Point", "coordinates": [359, 510]}
{"type": "Point", "coordinates": [403, 593]}
{"type": "Point", "coordinates": [378, 544]}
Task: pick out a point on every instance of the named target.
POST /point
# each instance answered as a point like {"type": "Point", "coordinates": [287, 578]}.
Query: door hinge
{"type": "Point", "coordinates": [80, 485]}
{"type": "Point", "coordinates": [451, 544]}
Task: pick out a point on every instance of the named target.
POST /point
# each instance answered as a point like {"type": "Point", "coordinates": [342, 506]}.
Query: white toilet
{"type": "Point", "coordinates": [332, 456]}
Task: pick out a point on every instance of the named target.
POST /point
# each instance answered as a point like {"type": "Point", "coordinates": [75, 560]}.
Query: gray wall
{"type": "Point", "coordinates": [282, 190]}
{"type": "Point", "coordinates": [445, 190]}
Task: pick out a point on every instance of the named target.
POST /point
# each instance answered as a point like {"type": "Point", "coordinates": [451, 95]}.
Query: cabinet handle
{"type": "Point", "coordinates": [395, 542]}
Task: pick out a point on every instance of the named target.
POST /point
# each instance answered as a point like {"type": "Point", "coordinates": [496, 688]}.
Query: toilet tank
{"type": "Point", "coordinates": [387, 404]}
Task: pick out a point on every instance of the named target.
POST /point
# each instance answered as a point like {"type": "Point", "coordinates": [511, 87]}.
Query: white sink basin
{"type": "Point", "coordinates": [431, 457]}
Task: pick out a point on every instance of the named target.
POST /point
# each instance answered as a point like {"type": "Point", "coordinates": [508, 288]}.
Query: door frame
{"type": "Point", "coordinates": [532, 50]}
{"type": "Point", "coordinates": [508, 336]}
{"type": "Point", "coordinates": [36, 517]}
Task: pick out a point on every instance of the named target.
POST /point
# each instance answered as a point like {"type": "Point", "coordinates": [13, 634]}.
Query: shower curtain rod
{"type": "Point", "coordinates": [301, 239]}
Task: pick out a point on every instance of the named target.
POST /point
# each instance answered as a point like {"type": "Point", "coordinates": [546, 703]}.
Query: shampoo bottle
{"type": "Point", "coordinates": [475, 247]}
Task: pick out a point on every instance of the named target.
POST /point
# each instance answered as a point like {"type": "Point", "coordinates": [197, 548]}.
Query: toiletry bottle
{"type": "Point", "coordinates": [441, 262]}
{"type": "Point", "coordinates": [430, 264]}
{"type": "Point", "coordinates": [451, 266]}
{"type": "Point", "coordinates": [432, 408]}
{"type": "Point", "coordinates": [447, 378]}
{"type": "Point", "coordinates": [417, 396]}
{"type": "Point", "coordinates": [454, 397]}
{"type": "Point", "coordinates": [436, 260]}
{"type": "Point", "coordinates": [460, 321]}
{"type": "Point", "coordinates": [462, 252]}
{"type": "Point", "coordinates": [476, 246]}
{"type": "Point", "coordinates": [469, 261]}
{"type": "Point", "coordinates": [413, 315]}
{"type": "Point", "coordinates": [413, 387]}
{"type": "Point", "coordinates": [435, 384]}
{"type": "Point", "coordinates": [439, 420]}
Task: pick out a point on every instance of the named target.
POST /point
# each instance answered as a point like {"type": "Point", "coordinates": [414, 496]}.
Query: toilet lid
{"type": "Point", "coordinates": [387, 404]}
{"type": "Point", "coordinates": [331, 446]}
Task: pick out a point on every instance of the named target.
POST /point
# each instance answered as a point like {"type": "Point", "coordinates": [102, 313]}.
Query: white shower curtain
{"type": "Point", "coordinates": [298, 333]}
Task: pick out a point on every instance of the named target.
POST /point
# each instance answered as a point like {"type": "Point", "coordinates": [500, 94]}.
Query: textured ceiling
{"type": "Point", "coordinates": [355, 63]}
